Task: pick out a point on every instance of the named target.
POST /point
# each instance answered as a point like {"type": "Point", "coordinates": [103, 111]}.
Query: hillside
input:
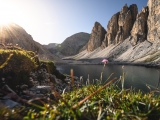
{"type": "Point", "coordinates": [70, 46]}
{"type": "Point", "coordinates": [13, 34]}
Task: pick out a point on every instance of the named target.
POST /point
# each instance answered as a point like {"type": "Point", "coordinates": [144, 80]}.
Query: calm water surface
{"type": "Point", "coordinates": [136, 76]}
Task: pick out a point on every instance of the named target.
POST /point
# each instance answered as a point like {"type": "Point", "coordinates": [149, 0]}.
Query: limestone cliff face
{"type": "Point", "coordinates": [125, 22]}
{"type": "Point", "coordinates": [112, 29]}
{"type": "Point", "coordinates": [153, 20]}
{"type": "Point", "coordinates": [120, 25]}
{"type": "Point", "coordinates": [96, 37]}
{"type": "Point", "coordinates": [139, 30]}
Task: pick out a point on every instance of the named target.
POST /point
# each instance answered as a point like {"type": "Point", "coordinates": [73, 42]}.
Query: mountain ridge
{"type": "Point", "coordinates": [70, 46]}
{"type": "Point", "coordinates": [139, 44]}
{"type": "Point", "coordinates": [13, 34]}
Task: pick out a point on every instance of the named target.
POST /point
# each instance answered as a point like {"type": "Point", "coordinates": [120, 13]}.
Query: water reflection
{"type": "Point", "coordinates": [136, 76]}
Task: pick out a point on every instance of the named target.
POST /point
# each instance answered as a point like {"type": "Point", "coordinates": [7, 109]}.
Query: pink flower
{"type": "Point", "coordinates": [105, 61]}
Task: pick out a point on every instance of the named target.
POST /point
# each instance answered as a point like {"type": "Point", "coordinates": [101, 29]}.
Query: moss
{"type": "Point", "coordinates": [15, 66]}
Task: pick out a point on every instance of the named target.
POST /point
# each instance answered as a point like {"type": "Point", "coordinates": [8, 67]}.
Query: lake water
{"type": "Point", "coordinates": [136, 76]}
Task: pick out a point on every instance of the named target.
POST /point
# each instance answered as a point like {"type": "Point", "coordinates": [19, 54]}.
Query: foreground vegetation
{"type": "Point", "coordinates": [93, 102]}
{"type": "Point", "coordinates": [16, 64]}
{"type": "Point", "coordinates": [88, 102]}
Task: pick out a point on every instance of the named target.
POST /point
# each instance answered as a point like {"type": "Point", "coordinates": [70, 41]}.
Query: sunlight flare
{"type": "Point", "coordinates": [8, 12]}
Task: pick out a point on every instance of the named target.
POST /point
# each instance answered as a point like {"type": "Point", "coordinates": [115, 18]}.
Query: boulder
{"type": "Point", "coordinates": [10, 103]}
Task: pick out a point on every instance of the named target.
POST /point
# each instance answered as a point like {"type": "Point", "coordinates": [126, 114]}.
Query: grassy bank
{"type": "Point", "coordinates": [93, 102]}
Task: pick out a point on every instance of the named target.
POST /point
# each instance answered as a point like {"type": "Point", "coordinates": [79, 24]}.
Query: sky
{"type": "Point", "coordinates": [52, 21]}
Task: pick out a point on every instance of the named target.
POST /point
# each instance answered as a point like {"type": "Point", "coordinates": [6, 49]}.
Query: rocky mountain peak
{"type": "Point", "coordinates": [139, 30]}
{"type": "Point", "coordinates": [124, 9]}
{"type": "Point", "coordinates": [134, 10]}
{"type": "Point", "coordinates": [125, 22]}
{"type": "Point", "coordinates": [120, 25]}
{"type": "Point", "coordinates": [96, 37]}
{"type": "Point", "coordinates": [112, 29]}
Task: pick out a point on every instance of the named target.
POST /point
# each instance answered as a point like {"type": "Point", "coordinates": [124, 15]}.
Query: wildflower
{"type": "Point", "coordinates": [105, 61]}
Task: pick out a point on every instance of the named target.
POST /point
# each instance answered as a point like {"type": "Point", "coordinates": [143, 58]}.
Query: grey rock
{"type": "Point", "coordinates": [96, 37]}
{"type": "Point", "coordinates": [139, 30]}
{"type": "Point", "coordinates": [9, 103]}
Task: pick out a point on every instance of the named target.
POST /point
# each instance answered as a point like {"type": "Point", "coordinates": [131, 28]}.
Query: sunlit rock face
{"type": "Point", "coordinates": [125, 22]}
{"type": "Point", "coordinates": [139, 30]}
{"type": "Point", "coordinates": [153, 21]}
{"type": "Point", "coordinates": [112, 29]}
{"type": "Point", "coordinates": [14, 34]}
{"type": "Point", "coordinates": [96, 37]}
{"type": "Point", "coordinates": [120, 25]}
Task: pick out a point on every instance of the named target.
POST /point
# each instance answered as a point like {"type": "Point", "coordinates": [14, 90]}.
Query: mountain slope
{"type": "Point", "coordinates": [16, 35]}
{"type": "Point", "coordinates": [70, 46]}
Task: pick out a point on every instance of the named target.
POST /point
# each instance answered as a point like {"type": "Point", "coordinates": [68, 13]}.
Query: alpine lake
{"type": "Point", "coordinates": [135, 77]}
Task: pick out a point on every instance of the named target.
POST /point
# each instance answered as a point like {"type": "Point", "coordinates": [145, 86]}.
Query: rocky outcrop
{"type": "Point", "coordinates": [139, 30]}
{"type": "Point", "coordinates": [112, 29]}
{"type": "Point", "coordinates": [125, 22]}
{"type": "Point", "coordinates": [153, 21]}
{"type": "Point", "coordinates": [96, 37]}
{"type": "Point", "coordinates": [45, 86]}
{"type": "Point", "coordinates": [120, 25]}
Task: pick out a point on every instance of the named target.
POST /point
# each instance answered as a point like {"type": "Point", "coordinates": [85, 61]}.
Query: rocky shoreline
{"type": "Point", "coordinates": [39, 91]}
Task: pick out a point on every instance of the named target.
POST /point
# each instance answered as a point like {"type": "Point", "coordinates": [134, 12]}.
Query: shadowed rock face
{"type": "Point", "coordinates": [112, 29]}
{"type": "Point", "coordinates": [153, 20]}
{"type": "Point", "coordinates": [139, 30]}
{"type": "Point", "coordinates": [96, 37]}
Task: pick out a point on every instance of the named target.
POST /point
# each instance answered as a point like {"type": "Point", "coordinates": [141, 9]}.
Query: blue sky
{"type": "Point", "coordinates": [52, 21]}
